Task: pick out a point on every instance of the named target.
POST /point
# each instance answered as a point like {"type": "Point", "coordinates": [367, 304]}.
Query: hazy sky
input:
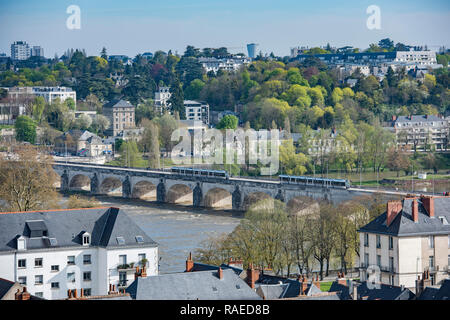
{"type": "Point", "coordinates": [136, 26]}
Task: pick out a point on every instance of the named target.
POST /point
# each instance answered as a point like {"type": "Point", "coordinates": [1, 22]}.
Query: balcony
{"type": "Point", "coordinates": [132, 266]}
{"type": "Point", "coordinates": [389, 269]}
{"type": "Point", "coordinates": [122, 284]}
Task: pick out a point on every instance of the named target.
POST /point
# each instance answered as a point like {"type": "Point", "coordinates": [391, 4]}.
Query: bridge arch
{"type": "Point", "coordinates": [256, 199]}
{"type": "Point", "coordinates": [180, 194]}
{"type": "Point", "coordinates": [111, 186]}
{"type": "Point", "coordinates": [218, 198]}
{"type": "Point", "coordinates": [80, 182]}
{"type": "Point", "coordinates": [144, 190]}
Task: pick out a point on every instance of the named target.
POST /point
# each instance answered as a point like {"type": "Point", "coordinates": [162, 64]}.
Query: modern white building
{"type": "Point", "coordinates": [51, 252]}
{"type": "Point", "coordinates": [411, 238]}
{"type": "Point", "coordinates": [225, 64]}
{"type": "Point", "coordinates": [162, 97]}
{"type": "Point", "coordinates": [197, 111]}
{"type": "Point", "coordinates": [20, 50]}
{"type": "Point", "coordinates": [50, 94]}
{"type": "Point", "coordinates": [37, 51]}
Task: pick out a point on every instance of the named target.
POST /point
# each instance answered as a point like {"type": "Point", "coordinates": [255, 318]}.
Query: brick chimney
{"type": "Point", "coordinates": [24, 295]}
{"type": "Point", "coordinates": [252, 276]}
{"type": "Point", "coordinates": [75, 295]}
{"type": "Point", "coordinates": [144, 272]}
{"type": "Point", "coordinates": [415, 210]}
{"type": "Point", "coordinates": [392, 209]}
{"type": "Point", "coordinates": [69, 294]}
{"type": "Point", "coordinates": [428, 203]}
{"type": "Point", "coordinates": [189, 263]}
{"type": "Point", "coordinates": [81, 293]}
{"type": "Point", "coordinates": [220, 273]}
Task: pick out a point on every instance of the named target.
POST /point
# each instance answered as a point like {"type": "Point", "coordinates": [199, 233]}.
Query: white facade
{"type": "Point", "coordinates": [162, 97]}
{"type": "Point", "coordinates": [103, 269]}
{"type": "Point", "coordinates": [197, 111]}
{"type": "Point", "coordinates": [417, 57]}
{"type": "Point", "coordinates": [50, 94]}
{"type": "Point", "coordinates": [225, 64]}
{"type": "Point", "coordinates": [20, 50]}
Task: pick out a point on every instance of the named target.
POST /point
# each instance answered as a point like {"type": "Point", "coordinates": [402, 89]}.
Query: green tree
{"type": "Point", "coordinates": [228, 122]}
{"type": "Point", "coordinates": [129, 154]}
{"type": "Point", "coordinates": [177, 99]}
{"type": "Point", "coordinates": [25, 129]}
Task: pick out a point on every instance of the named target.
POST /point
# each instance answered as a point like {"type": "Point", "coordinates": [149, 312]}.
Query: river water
{"type": "Point", "coordinates": [178, 230]}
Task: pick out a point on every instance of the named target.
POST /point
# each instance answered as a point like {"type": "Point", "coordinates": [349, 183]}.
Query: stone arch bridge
{"type": "Point", "coordinates": [237, 193]}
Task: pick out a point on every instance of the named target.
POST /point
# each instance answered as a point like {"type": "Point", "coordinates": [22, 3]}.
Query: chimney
{"type": "Point", "coordinates": [17, 295]}
{"type": "Point", "coordinates": [69, 294]}
{"type": "Point", "coordinates": [75, 295]}
{"type": "Point", "coordinates": [393, 208]}
{"type": "Point", "coordinates": [25, 294]}
{"type": "Point", "coordinates": [220, 273]}
{"type": "Point", "coordinates": [252, 276]}
{"type": "Point", "coordinates": [136, 273]}
{"type": "Point", "coordinates": [355, 292]}
{"type": "Point", "coordinates": [144, 272]}
{"type": "Point", "coordinates": [189, 263]}
{"type": "Point", "coordinates": [428, 203]}
{"type": "Point", "coordinates": [81, 293]}
{"type": "Point", "coordinates": [415, 210]}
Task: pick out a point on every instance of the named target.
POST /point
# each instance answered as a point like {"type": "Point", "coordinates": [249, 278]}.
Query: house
{"type": "Point", "coordinates": [220, 284]}
{"type": "Point", "coordinates": [51, 252]}
{"type": "Point", "coordinates": [162, 97]}
{"type": "Point", "coordinates": [436, 292]}
{"type": "Point", "coordinates": [10, 290]}
{"type": "Point", "coordinates": [197, 111]}
{"type": "Point", "coordinates": [410, 238]}
{"type": "Point", "coordinates": [121, 115]}
{"type": "Point", "coordinates": [81, 142]}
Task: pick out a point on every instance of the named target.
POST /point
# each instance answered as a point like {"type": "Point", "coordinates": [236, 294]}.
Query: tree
{"type": "Point", "coordinates": [150, 140]}
{"type": "Point", "coordinates": [25, 129]}
{"type": "Point", "coordinates": [228, 122]}
{"type": "Point", "coordinates": [76, 202]}
{"type": "Point", "coordinates": [129, 154]}
{"type": "Point", "coordinates": [386, 44]}
{"type": "Point", "coordinates": [83, 122]}
{"type": "Point", "coordinates": [38, 108]}
{"type": "Point", "coordinates": [100, 123]}
{"type": "Point", "coordinates": [397, 160]}
{"type": "Point", "coordinates": [103, 54]}
{"type": "Point", "coordinates": [27, 182]}
{"type": "Point", "coordinates": [177, 99]}
{"type": "Point", "coordinates": [167, 124]}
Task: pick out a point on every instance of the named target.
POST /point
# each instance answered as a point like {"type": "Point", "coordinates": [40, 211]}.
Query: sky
{"type": "Point", "coordinates": [136, 26]}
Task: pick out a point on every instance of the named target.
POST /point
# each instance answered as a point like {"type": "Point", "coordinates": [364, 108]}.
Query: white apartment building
{"type": "Point", "coordinates": [410, 238]}
{"type": "Point", "coordinates": [416, 57]}
{"type": "Point", "coordinates": [225, 64]}
{"type": "Point", "coordinates": [20, 50]}
{"type": "Point", "coordinates": [162, 97]}
{"type": "Point", "coordinates": [50, 94]}
{"type": "Point", "coordinates": [419, 131]}
{"type": "Point", "coordinates": [197, 111]}
{"type": "Point", "coordinates": [51, 252]}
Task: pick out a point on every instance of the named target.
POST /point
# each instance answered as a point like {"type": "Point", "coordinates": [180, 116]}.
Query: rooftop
{"type": "Point", "coordinates": [118, 103]}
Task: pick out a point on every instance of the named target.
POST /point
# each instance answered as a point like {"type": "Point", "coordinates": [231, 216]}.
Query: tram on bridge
{"type": "Point", "coordinates": [200, 172]}
{"type": "Point", "coordinates": [323, 182]}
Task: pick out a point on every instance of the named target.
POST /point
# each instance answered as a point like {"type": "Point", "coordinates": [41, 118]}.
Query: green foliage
{"type": "Point", "coordinates": [228, 122]}
{"type": "Point", "coordinates": [25, 129]}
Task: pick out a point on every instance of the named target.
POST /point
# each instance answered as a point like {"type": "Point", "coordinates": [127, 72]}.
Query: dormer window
{"type": "Point", "coordinates": [86, 239]}
{"type": "Point", "coordinates": [21, 243]}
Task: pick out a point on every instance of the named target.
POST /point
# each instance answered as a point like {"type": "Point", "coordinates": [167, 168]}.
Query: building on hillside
{"type": "Point", "coordinates": [20, 50]}
{"type": "Point", "coordinates": [37, 51]}
{"type": "Point", "coordinates": [162, 96]}
{"type": "Point", "coordinates": [410, 238]}
{"type": "Point", "coordinates": [251, 50]}
{"type": "Point", "coordinates": [51, 252]}
{"type": "Point", "coordinates": [420, 132]}
{"type": "Point", "coordinates": [231, 64]}
{"type": "Point", "coordinates": [121, 115]}
{"type": "Point", "coordinates": [125, 60]}
{"type": "Point", "coordinates": [50, 94]}
{"type": "Point", "coordinates": [197, 111]}
{"type": "Point", "coordinates": [82, 143]}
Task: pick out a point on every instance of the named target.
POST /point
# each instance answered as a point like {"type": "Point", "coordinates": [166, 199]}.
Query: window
{"type": "Point", "coordinates": [378, 260]}
{"type": "Point", "coordinates": [87, 276]}
{"type": "Point", "coordinates": [55, 268]}
{"type": "Point", "coordinates": [120, 240]}
{"type": "Point", "coordinates": [139, 239]}
{"type": "Point", "coordinates": [23, 280]}
{"type": "Point", "coordinates": [431, 242]}
{"type": "Point", "coordinates": [38, 280]}
{"type": "Point", "coordinates": [87, 291]}
{"type": "Point", "coordinates": [71, 260]}
{"type": "Point", "coordinates": [391, 264]}
{"type": "Point", "coordinates": [39, 294]}
{"type": "Point", "coordinates": [366, 259]}
{"type": "Point", "coordinates": [141, 257]}
{"type": "Point", "coordinates": [22, 263]}
{"type": "Point", "coordinates": [378, 241]}
{"type": "Point", "coordinates": [38, 263]}
{"type": "Point", "coordinates": [122, 279]}
{"type": "Point", "coordinates": [123, 259]}
{"type": "Point", "coordinates": [391, 243]}
{"type": "Point", "coordinates": [55, 285]}
{"type": "Point", "coordinates": [86, 239]}
{"type": "Point", "coordinates": [87, 259]}
{"type": "Point", "coordinates": [366, 239]}
{"type": "Point", "coordinates": [71, 277]}
{"type": "Point", "coordinates": [431, 261]}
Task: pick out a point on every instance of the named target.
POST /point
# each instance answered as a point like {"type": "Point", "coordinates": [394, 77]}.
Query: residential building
{"type": "Point", "coordinates": [197, 111]}
{"type": "Point", "coordinates": [410, 238]}
{"type": "Point", "coordinates": [225, 64]}
{"type": "Point", "coordinates": [121, 115]}
{"type": "Point", "coordinates": [20, 50]}
{"type": "Point", "coordinates": [50, 94]}
{"type": "Point", "coordinates": [37, 51]}
{"type": "Point", "coordinates": [125, 60]}
{"type": "Point", "coordinates": [83, 143]}
{"type": "Point", "coordinates": [162, 96]}
{"type": "Point", "coordinates": [51, 252]}
{"type": "Point", "coordinates": [420, 132]}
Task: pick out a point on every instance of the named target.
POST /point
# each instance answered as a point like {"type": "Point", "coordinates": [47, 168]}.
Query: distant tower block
{"type": "Point", "coordinates": [251, 48]}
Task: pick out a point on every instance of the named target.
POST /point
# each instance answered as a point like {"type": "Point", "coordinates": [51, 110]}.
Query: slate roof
{"type": "Point", "coordinates": [385, 292]}
{"type": "Point", "coordinates": [5, 286]}
{"type": "Point", "coordinates": [67, 227]}
{"type": "Point", "coordinates": [201, 285]}
{"type": "Point", "coordinates": [418, 118]}
{"type": "Point", "coordinates": [444, 291]}
{"type": "Point", "coordinates": [404, 225]}
{"type": "Point", "coordinates": [118, 103]}
{"type": "Point", "coordinates": [428, 293]}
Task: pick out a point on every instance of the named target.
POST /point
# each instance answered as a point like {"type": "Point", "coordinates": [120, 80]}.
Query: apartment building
{"type": "Point", "coordinates": [50, 94]}
{"type": "Point", "coordinates": [225, 64]}
{"type": "Point", "coordinates": [411, 238]}
{"type": "Point", "coordinates": [121, 115]}
{"type": "Point", "coordinates": [51, 252]}
{"type": "Point", "coordinates": [162, 97]}
{"type": "Point", "coordinates": [421, 131]}
{"type": "Point", "coordinates": [20, 50]}
{"type": "Point", "coordinates": [197, 111]}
